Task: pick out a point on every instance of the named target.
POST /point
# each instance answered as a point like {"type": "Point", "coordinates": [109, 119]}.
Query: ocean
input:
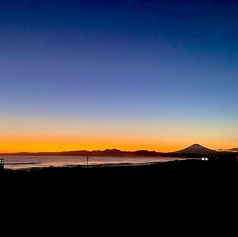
{"type": "Point", "coordinates": [28, 162]}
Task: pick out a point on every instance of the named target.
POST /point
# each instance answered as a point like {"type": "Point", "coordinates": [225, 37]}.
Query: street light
{"type": "Point", "coordinates": [87, 161]}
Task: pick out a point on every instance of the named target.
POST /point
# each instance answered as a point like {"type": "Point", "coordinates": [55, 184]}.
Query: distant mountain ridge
{"type": "Point", "coordinates": [196, 149]}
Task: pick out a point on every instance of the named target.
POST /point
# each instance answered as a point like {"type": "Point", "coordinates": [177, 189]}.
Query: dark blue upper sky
{"type": "Point", "coordinates": [141, 59]}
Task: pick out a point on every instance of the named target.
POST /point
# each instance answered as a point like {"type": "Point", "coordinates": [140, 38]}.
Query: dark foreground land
{"type": "Point", "coordinates": [190, 191]}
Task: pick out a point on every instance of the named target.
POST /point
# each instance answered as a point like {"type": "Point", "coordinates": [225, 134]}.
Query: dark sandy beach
{"type": "Point", "coordinates": [176, 191]}
{"type": "Point", "coordinates": [175, 180]}
{"type": "Point", "coordinates": [191, 174]}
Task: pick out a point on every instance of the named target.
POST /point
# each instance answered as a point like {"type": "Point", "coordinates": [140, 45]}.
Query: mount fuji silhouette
{"type": "Point", "coordinates": [196, 149]}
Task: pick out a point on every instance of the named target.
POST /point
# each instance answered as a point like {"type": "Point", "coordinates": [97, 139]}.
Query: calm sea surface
{"type": "Point", "coordinates": [27, 162]}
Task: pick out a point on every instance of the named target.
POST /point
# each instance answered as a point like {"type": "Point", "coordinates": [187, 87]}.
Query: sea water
{"type": "Point", "coordinates": [28, 162]}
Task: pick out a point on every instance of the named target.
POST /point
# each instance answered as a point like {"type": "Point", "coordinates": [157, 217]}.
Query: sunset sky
{"type": "Point", "coordinates": [124, 74]}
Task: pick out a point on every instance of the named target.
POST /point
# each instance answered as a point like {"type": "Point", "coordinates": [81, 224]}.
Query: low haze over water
{"type": "Point", "coordinates": [26, 162]}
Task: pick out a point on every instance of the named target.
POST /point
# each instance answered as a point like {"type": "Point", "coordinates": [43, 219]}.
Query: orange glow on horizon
{"type": "Point", "coordinates": [66, 143]}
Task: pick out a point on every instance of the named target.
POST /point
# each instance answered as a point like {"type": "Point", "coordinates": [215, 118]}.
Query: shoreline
{"type": "Point", "coordinates": [46, 161]}
{"type": "Point", "coordinates": [124, 172]}
{"type": "Point", "coordinates": [91, 165]}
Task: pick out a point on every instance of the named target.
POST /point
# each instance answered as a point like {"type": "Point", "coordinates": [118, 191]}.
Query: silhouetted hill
{"type": "Point", "coordinates": [106, 152]}
{"type": "Point", "coordinates": [196, 149]}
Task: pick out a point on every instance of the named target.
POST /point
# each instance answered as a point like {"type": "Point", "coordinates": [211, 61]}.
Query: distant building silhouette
{"type": "Point", "coordinates": [1, 164]}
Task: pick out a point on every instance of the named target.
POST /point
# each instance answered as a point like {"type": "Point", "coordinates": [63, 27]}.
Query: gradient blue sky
{"type": "Point", "coordinates": [139, 74]}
